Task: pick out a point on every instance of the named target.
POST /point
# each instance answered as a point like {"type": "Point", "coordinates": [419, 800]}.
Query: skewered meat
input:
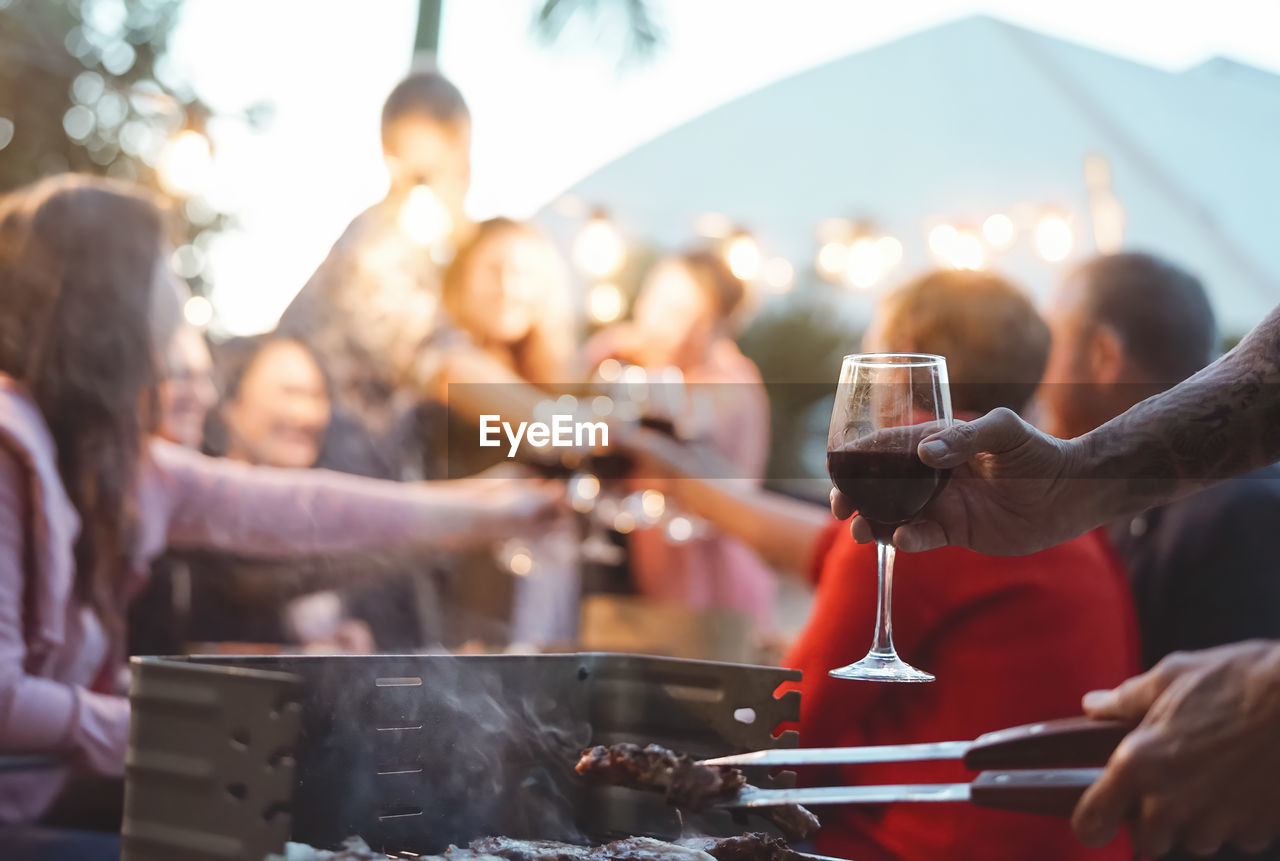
{"type": "Point", "coordinates": [648, 849]}
{"type": "Point", "coordinates": [755, 846]}
{"type": "Point", "coordinates": [685, 782]}
{"type": "Point", "coordinates": [746, 847]}
{"type": "Point", "coordinates": [528, 850]}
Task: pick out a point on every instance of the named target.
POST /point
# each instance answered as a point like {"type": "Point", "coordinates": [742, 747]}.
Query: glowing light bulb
{"type": "Point", "coordinates": [584, 490]}
{"type": "Point", "coordinates": [890, 250]}
{"type": "Point", "coordinates": [998, 230]}
{"type": "Point", "coordinates": [1053, 238]}
{"type": "Point", "coordinates": [423, 218]}
{"type": "Point", "coordinates": [186, 164]}
{"type": "Point", "coordinates": [605, 303]}
{"type": "Point", "coordinates": [833, 257]}
{"type": "Point", "coordinates": [599, 249]}
{"type": "Point", "coordinates": [968, 253]}
{"type": "Point", "coordinates": [198, 311]}
{"type": "Point", "coordinates": [744, 257]}
{"type": "Point", "coordinates": [610, 370]}
{"type": "Point", "coordinates": [653, 504]}
{"type": "Point", "coordinates": [778, 274]}
{"type": "Point", "coordinates": [942, 240]}
{"type": "Point", "coordinates": [864, 262]}
{"type": "Point", "coordinates": [679, 530]}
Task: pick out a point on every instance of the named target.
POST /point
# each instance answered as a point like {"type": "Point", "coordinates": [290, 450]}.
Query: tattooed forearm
{"type": "Point", "coordinates": [1222, 422]}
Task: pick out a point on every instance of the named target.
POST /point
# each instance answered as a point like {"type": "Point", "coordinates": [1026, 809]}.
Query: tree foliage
{"type": "Point", "coordinates": [88, 86]}
{"type": "Point", "coordinates": [643, 28]}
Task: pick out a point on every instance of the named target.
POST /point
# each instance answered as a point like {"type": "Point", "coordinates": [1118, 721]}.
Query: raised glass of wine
{"type": "Point", "coordinates": [885, 404]}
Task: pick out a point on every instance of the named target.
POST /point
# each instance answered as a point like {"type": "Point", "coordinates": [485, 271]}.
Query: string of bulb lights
{"type": "Point", "coordinates": [850, 253]}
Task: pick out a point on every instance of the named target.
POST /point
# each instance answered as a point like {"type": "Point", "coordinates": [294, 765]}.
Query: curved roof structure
{"type": "Point", "coordinates": [974, 117]}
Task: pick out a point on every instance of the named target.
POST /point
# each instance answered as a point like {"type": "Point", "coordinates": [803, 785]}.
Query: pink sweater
{"type": "Point", "coordinates": [53, 649]}
{"type": "Point", "coordinates": [717, 572]}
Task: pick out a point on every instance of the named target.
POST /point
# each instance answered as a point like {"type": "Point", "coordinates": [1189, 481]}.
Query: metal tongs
{"type": "Point", "coordinates": [1038, 768]}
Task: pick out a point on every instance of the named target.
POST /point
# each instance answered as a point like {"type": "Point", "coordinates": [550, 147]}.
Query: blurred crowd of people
{"type": "Point", "coordinates": [382, 368]}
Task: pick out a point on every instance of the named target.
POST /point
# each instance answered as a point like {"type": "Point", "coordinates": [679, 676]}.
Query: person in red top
{"type": "Point", "coordinates": [1011, 640]}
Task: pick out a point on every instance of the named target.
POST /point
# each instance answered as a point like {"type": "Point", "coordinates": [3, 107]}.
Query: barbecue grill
{"type": "Point", "coordinates": [231, 756]}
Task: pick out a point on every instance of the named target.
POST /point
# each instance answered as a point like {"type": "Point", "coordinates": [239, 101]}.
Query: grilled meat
{"type": "Point", "coordinates": [795, 822]}
{"type": "Point", "coordinates": [755, 846]}
{"type": "Point", "coordinates": [528, 850]}
{"type": "Point", "coordinates": [685, 782]}
{"type": "Point", "coordinates": [748, 847]}
{"type": "Point", "coordinates": [745, 847]}
{"type": "Point", "coordinates": [648, 849]}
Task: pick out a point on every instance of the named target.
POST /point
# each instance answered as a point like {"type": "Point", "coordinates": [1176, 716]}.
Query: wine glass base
{"type": "Point", "coordinates": [882, 668]}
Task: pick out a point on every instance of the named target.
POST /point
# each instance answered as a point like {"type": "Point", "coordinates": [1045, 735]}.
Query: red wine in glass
{"type": "Point", "coordinates": [888, 488]}
{"type": "Point", "coordinates": [885, 404]}
{"type": "Point", "coordinates": [659, 424]}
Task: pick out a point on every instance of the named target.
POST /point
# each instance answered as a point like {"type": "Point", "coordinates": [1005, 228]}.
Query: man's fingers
{"type": "Point", "coordinates": [841, 507]}
{"type": "Point", "coordinates": [1156, 829]}
{"type": "Point", "coordinates": [998, 431]}
{"type": "Point", "coordinates": [1255, 835]}
{"type": "Point", "coordinates": [1103, 808]}
{"type": "Point", "coordinates": [1129, 701]}
{"type": "Point", "coordinates": [919, 537]}
{"type": "Point", "coordinates": [1208, 832]}
{"type": "Point", "coordinates": [912, 538]}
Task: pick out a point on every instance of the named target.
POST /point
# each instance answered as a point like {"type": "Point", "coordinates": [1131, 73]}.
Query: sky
{"type": "Point", "coordinates": [545, 116]}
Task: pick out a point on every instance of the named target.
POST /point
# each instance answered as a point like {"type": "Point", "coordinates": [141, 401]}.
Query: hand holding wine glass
{"type": "Point", "coordinates": [885, 404]}
{"type": "Point", "coordinates": [1011, 492]}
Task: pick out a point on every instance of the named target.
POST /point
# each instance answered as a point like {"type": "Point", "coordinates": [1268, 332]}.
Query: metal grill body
{"type": "Point", "coordinates": [414, 753]}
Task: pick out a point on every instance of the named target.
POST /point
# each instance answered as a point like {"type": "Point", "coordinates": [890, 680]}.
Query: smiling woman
{"type": "Point", "coordinates": [88, 497]}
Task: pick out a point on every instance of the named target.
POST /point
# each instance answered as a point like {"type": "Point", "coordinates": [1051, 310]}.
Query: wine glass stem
{"type": "Point", "coordinates": [882, 646]}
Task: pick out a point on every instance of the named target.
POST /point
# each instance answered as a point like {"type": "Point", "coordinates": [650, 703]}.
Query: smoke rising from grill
{"type": "Point", "coordinates": [455, 751]}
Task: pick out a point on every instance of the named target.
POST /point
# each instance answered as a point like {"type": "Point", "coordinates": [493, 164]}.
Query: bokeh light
{"type": "Point", "coordinates": [605, 302]}
{"type": "Point", "coordinates": [968, 251]}
{"type": "Point", "coordinates": [743, 256]}
{"type": "Point", "coordinates": [198, 311]}
{"type": "Point", "coordinates": [653, 504]}
{"type": "Point", "coordinates": [998, 230]}
{"type": "Point", "coordinates": [1053, 238]}
{"type": "Point", "coordinates": [423, 217]}
{"type": "Point", "coordinates": [890, 250]}
{"type": "Point", "coordinates": [186, 163]}
{"type": "Point", "coordinates": [864, 267]}
{"type": "Point", "coordinates": [942, 241]}
{"type": "Point", "coordinates": [599, 250]}
{"type": "Point", "coordinates": [610, 370]}
{"type": "Point", "coordinates": [679, 529]}
{"type": "Point", "coordinates": [833, 257]}
{"type": "Point", "coordinates": [778, 274]}
{"type": "Point", "coordinates": [78, 122]}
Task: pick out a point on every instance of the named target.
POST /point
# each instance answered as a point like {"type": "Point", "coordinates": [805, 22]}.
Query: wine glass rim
{"type": "Point", "coordinates": [895, 360]}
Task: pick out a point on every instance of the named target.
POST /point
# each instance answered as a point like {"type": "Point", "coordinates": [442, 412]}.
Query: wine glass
{"type": "Point", "coordinates": [885, 404]}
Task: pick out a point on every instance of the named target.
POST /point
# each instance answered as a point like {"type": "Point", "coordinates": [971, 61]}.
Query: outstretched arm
{"type": "Point", "coordinates": [781, 530]}
{"type": "Point", "coordinates": [1222, 422]}
{"type": "Point", "coordinates": [260, 511]}
{"type": "Point", "coordinates": [1016, 490]}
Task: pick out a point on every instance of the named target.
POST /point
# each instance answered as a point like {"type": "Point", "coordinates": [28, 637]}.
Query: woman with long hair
{"type": "Point", "coordinates": [88, 495]}
{"type": "Point", "coordinates": [506, 290]}
{"type": "Point", "coordinates": [506, 293]}
{"type": "Point", "coordinates": [685, 318]}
